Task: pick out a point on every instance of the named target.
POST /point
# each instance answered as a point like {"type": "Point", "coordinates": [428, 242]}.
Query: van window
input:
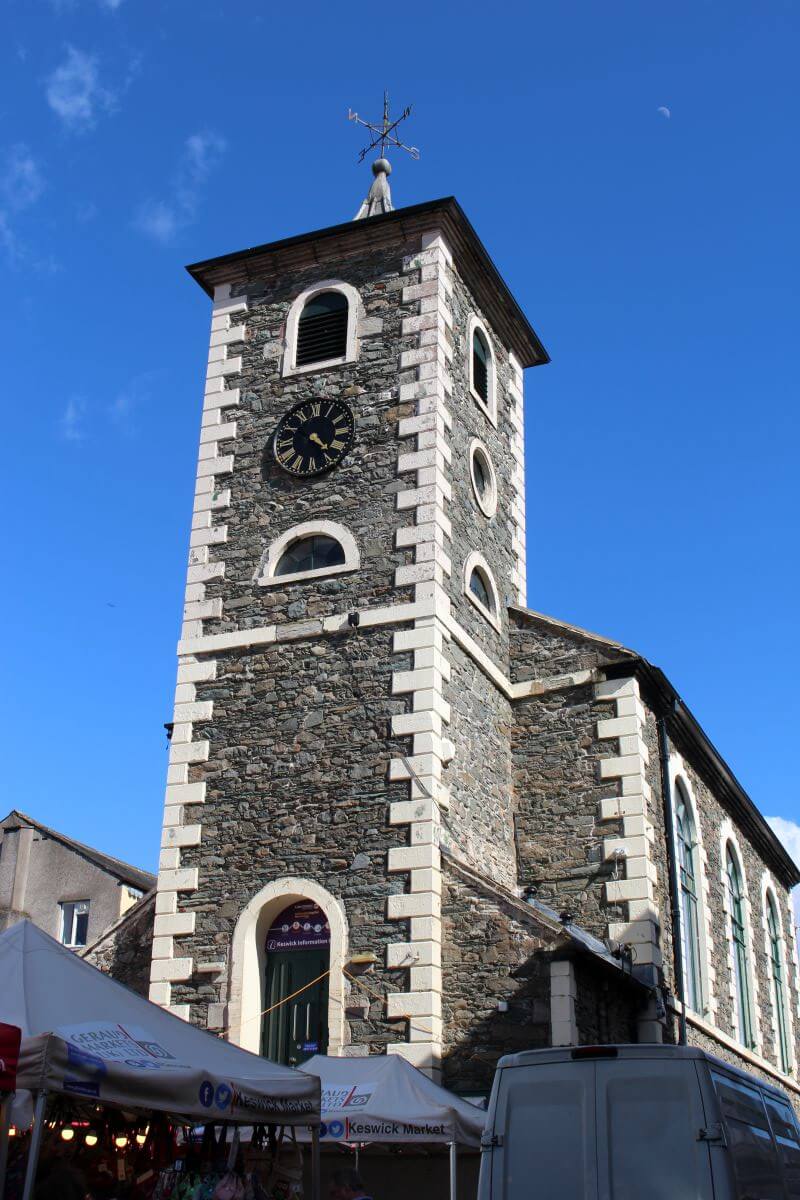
{"type": "Point", "coordinates": [753, 1152]}
{"type": "Point", "coordinates": [785, 1131]}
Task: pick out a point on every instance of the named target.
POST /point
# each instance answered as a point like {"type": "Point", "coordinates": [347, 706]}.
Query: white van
{"type": "Point", "coordinates": [642, 1122]}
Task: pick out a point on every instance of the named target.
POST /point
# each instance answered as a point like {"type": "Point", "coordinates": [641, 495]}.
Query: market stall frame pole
{"type": "Point", "coordinates": [5, 1124]}
{"type": "Point", "coordinates": [35, 1146]}
{"type": "Point", "coordinates": [453, 1170]}
{"type": "Point", "coordinates": [315, 1163]}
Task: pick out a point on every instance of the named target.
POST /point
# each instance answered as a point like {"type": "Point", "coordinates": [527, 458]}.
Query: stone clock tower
{"type": "Point", "coordinates": [345, 610]}
{"type": "Point", "coordinates": [403, 813]}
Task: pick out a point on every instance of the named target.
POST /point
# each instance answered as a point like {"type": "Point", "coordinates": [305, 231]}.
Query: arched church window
{"type": "Point", "coordinates": [738, 933]}
{"type": "Point", "coordinates": [296, 984]}
{"type": "Point", "coordinates": [481, 368]}
{"type": "Point", "coordinates": [689, 902]}
{"type": "Point", "coordinates": [315, 553]}
{"type": "Point", "coordinates": [322, 329]}
{"type": "Point", "coordinates": [778, 976]}
{"type": "Point", "coordinates": [479, 586]}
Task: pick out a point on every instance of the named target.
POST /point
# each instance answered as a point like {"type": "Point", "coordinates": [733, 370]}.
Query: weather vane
{"type": "Point", "coordinates": [379, 199]}
{"type": "Point", "coordinates": [384, 133]}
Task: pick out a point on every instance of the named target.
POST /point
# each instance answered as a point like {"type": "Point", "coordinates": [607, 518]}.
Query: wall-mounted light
{"type": "Point", "coordinates": [91, 1138]}
{"type": "Point", "coordinates": [67, 1134]}
{"type": "Point", "coordinates": [121, 1140]}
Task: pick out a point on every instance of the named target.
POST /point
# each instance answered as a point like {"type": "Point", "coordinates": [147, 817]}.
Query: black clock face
{"type": "Point", "coordinates": [314, 436]}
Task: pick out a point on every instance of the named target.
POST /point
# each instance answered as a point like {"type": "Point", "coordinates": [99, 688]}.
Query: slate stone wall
{"type": "Point", "coordinates": [480, 822]}
{"type": "Point", "coordinates": [471, 529]}
{"type": "Point", "coordinates": [360, 493]}
{"type": "Point", "coordinates": [558, 789]}
{"type": "Point", "coordinates": [297, 785]}
{"type": "Point", "coordinates": [124, 951]}
{"type": "Point", "coordinates": [606, 1007]}
{"type": "Point", "coordinates": [539, 651]}
{"type": "Point", "coordinates": [490, 953]}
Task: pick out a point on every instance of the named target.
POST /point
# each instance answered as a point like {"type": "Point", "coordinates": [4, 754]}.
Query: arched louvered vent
{"type": "Point", "coordinates": [322, 329]}
{"type": "Point", "coordinates": [480, 366]}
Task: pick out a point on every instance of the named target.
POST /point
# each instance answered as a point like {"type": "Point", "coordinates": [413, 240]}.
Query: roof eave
{"type": "Point", "coordinates": [511, 320]}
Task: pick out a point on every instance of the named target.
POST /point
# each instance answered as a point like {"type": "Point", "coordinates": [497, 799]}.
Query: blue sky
{"type": "Point", "coordinates": [633, 170]}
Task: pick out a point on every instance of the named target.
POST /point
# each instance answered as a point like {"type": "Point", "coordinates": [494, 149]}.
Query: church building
{"type": "Point", "coordinates": [405, 813]}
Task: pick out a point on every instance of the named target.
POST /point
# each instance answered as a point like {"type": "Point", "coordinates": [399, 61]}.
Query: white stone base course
{"type": "Point", "coordinates": [167, 966]}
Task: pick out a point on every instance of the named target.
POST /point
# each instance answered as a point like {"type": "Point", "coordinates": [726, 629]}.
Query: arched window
{"type": "Point", "coordinates": [309, 550]}
{"type": "Point", "coordinates": [481, 368]}
{"type": "Point", "coordinates": [738, 933]}
{"type": "Point", "coordinates": [314, 553]}
{"type": "Point", "coordinates": [296, 986]}
{"type": "Point", "coordinates": [479, 586]}
{"type": "Point", "coordinates": [322, 329]}
{"type": "Point", "coordinates": [689, 902]}
{"type": "Point", "coordinates": [480, 365]}
{"type": "Point", "coordinates": [778, 976]}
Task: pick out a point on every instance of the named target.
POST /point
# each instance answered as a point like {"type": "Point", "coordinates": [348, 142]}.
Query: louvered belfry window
{"type": "Point", "coordinates": [480, 366]}
{"type": "Point", "coordinates": [322, 329]}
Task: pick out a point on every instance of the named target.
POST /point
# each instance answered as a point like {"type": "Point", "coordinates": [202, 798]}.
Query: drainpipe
{"type": "Point", "coordinates": [674, 879]}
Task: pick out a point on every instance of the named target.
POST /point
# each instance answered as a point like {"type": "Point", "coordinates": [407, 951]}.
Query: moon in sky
{"type": "Point", "coordinates": [664, 111]}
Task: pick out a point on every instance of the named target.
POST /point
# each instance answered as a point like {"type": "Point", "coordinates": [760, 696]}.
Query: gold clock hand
{"type": "Point", "coordinates": [314, 437]}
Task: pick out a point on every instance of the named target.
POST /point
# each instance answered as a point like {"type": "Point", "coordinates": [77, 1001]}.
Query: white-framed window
{"type": "Point", "coordinates": [311, 550]}
{"type": "Point", "coordinates": [74, 922]}
{"type": "Point", "coordinates": [484, 480]}
{"type": "Point", "coordinates": [777, 969]}
{"type": "Point", "coordinates": [481, 589]}
{"type": "Point", "coordinates": [321, 328]}
{"type": "Point", "coordinates": [482, 372]}
{"type": "Point", "coordinates": [739, 947]}
{"type": "Point", "coordinates": [690, 900]}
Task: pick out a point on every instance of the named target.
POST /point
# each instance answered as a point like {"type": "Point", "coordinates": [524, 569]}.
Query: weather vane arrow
{"type": "Point", "coordinates": [379, 198]}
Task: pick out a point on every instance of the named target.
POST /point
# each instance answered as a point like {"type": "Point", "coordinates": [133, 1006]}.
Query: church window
{"type": "Point", "coordinates": [310, 554]}
{"type": "Point", "coordinates": [322, 329]}
{"type": "Point", "coordinates": [778, 977]}
{"type": "Point", "coordinates": [310, 550]}
{"type": "Point", "coordinates": [484, 482]}
{"type": "Point", "coordinates": [738, 934]}
{"type": "Point", "coordinates": [689, 902]}
{"type": "Point", "coordinates": [480, 588]}
{"type": "Point", "coordinates": [481, 369]}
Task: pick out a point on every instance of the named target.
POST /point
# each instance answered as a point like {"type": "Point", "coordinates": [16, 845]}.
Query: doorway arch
{"type": "Point", "coordinates": [248, 962]}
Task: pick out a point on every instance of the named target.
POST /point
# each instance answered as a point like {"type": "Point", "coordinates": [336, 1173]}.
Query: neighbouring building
{"type": "Point", "coordinates": [71, 891]}
{"type": "Point", "coordinates": [459, 826]}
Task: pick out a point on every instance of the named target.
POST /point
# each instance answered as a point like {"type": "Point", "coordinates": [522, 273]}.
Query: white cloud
{"type": "Point", "coordinates": [72, 422]}
{"type": "Point", "coordinates": [663, 111]}
{"type": "Point", "coordinates": [127, 402]}
{"type": "Point", "coordinates": [789, 833]}
{"type": "Point", "coordinates": [162, 219]}
{"type": "Point", "coordinates": [74, 91]}
{"type": "Point", "coordinates": [21, 185]}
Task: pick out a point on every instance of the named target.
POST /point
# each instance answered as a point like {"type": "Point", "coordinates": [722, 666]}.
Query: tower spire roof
{"type": "Point", "coordinates": [379, 197]}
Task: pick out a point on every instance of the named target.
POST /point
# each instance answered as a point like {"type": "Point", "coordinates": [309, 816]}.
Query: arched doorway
{"type": "Point", "coordinates": [297, 955]}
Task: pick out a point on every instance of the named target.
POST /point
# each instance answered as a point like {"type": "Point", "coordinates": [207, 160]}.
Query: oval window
{"type": "Point", "coordinates": [484, 483]}
{"type": "Point", "coordinates": [313, 553]}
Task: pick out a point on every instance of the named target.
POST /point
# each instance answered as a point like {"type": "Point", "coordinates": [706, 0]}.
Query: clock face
{"type": "Point", "coordinates": [314, 436]}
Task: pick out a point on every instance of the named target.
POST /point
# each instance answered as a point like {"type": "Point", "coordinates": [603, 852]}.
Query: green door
{"type": "Point", "coordinates": [299, 1029]}
{"type": "Point", "coordinates": [298, 958]}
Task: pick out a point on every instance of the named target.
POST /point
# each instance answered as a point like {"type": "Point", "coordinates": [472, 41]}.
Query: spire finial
{"type": "Point", "coordinates": [379, 197]}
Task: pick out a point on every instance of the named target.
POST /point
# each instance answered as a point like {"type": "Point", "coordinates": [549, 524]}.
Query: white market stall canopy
{"type": "Point", "coordinates": [384, 1099]}
{"type": "Point", "coordinates": [87, 1036]}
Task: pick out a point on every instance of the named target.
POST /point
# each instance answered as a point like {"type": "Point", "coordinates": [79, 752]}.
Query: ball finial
{"type": "Point", "coordinates": [381, 166]}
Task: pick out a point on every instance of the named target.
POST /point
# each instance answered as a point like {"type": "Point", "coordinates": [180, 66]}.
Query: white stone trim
{"type": "Point", "coordinates": [679, 779]}
{"type": "Point", "coordinates": [563, 998]}
{"type": "Point", "coordinates": [429, 354]}
{"type": "Point", "coordinates": [167, 966]}
{"type": "Point", "coordinates": [489, 409]}
{"type": "Point", "coordinates": [516, 418]}
{"type": "Point", "coordinates": [248, 958]}
{"type": "Point", "coordinates": [476, 560]}
{"type": "Point", "coordinates": [727, 837]}
{"type": "Point", "coordinates": [792, 927]}
{"type": "Point", "coordinates": [635, 890]}
{"type": "Point", "coordinates": [354, 313]}
{"type": "Point", "coordinates": [488, 505]}
{"type": "Point", "coordinates": [769, 890]}
{"type": "Point", "coordinates": [265, 575]}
